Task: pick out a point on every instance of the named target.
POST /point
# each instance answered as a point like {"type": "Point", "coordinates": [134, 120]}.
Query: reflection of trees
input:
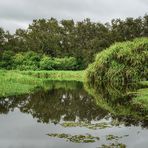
{"type": "Point", "coordinates": [8, 104]}
{"type": "Point", "coordinates": [118, 101]}
{"type": "Point", "coordinates": [69, 101]}
{"type": "Point", "coordinates": [66, 100]}
{"type": "Point", "coordinates": [54, 104]}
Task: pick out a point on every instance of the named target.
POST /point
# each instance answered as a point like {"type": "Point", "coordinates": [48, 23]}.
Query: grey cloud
{"type": "Point", "coordinates": [18, 13]}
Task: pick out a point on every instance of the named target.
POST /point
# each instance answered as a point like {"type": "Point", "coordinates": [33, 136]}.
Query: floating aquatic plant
{"type": "Point", "coordinates": [75, 138]}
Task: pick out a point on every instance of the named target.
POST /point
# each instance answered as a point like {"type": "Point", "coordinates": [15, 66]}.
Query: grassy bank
{"type": "Point", "coordinates": [56, 75]}
{"type": "Point", "coordinates": [18, 82]}
{"type": "Point", "coordinates": [13, 83]}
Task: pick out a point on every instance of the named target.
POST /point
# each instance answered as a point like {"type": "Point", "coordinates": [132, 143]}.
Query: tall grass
{"type": "Point", "coordinates": [141, 98]}
{"type": "Point", "coordinates": [13, 83]}
{"type": "Point", "coordinates": [122, 62]}
{"type": "Point", "coordinates": [22, 82]}
{"type": "Point", "coordinates": [57, 75]}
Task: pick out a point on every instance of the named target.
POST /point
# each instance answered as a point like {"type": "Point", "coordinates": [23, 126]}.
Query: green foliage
{"type": "Point", "coordinates": [66, 38]}
{"type": "Point", "coordinates": [6, 60]}
{"type": "Point", "coordinates": [57, 75]}
{"type": "Point", "coordinates": [2, 37]}
{"type": "Point", "coordinates": [141, 98]}
{"type": "Point", "coordinates": [122, 62]}
{"type": "Point", "coordinates": [26, 61]}
{"type": "Point", "coordinates": [34, 61]}
{"type": "Point", "coordinates": [46, 63]}
{"type": "Point", "coordinates": [65, 63]}
{"type": "Point", "coordinates": [14, 83]}
{"type": "Point", "coordinates": [31, 61]}
{"type": "Point", "coordinates": [17, 82]}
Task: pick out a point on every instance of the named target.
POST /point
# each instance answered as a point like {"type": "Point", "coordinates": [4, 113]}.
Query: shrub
{"type": "Point", "coordinates": [18, 61]}
{"type": "Point", "coordinates": [34, 61]}
{"type": "Point", "coordinates": [46, 63]}
{"type": "Point", "coordinates": [66, 63]}
{"type": "Point", "coordinates": [122, 62]}
{"type": "Point", "coordinates": [6, 59]}
{"type": "Point", "coordinates": [26, 61]}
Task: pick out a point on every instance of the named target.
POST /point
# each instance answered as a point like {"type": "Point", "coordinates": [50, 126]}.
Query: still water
{"type": "Point", "coordinates": [70, 115]}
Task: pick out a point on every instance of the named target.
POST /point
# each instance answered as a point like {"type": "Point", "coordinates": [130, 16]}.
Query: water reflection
{"type": "Point", "coordinates": [62, 100]}
{"type": "Point", "coordinates": [73, 109]}
{"type": "Point", "coordinates": [69, 101]}
{"type": "Point", "coordinates": [119, 102]}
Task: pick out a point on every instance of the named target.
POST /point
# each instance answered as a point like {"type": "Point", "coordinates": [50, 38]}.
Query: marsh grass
{"type": "Point", "coordinates": [57, 75]}
{"type": "Point", "coordinates": [13, 83]}
{"type": "Point", "coordinates": [24, 82]}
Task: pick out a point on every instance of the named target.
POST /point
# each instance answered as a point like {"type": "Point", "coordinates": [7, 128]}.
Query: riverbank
{"type": "Point", "coordinates": [56, 75]}
{"type": "Point", "coordinates": [15, 83]}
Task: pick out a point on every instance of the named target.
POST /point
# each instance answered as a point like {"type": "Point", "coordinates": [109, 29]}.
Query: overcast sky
{"type": "Point", "coordinates": [19, 13]}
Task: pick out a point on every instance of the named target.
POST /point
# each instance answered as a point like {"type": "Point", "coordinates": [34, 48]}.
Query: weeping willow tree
{"type": "Point", "coordinates": [123, 62]}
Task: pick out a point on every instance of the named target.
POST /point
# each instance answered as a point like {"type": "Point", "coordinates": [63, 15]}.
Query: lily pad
{"type": "Point", "coordinates": [75, 138]}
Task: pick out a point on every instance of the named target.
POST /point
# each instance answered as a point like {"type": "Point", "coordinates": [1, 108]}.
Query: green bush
{"type": "Point", "coordinates": [6, 59]}
{"type": "Point", "coordinates": [65, 63]}
{"type": "Point", "coordinates": [18, 61]}
{"type": "Point", "coordinates": [122, 62]}
{"type": "Point", "coordinates": [34, 61]}
{"type": "Point", "coordinates": [31, 61]}
{"type": "Point", "coordinates": [26, 61]}
{"type": "Point", "coordinates": [46, 63]}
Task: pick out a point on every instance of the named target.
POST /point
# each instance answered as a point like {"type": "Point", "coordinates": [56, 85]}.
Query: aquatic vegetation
{"type": "Point", "coordinates": [101, 125]}
{"type": "Point", "coordinates": [76, 138]}
{"type": "Point", "coordinates": [113, 137]}
{"type": "Point", "coordinates": [113, 145]}
{"type": "Point", "coordinates": [121, 63]}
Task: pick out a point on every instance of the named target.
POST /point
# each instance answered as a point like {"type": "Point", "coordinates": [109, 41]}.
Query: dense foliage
{"type": "Point", "coordinates": [122, 62]}
{"type": "Point", "coordinates": [66, 38]}
{"type": "Point", "coordinates": [33, 61]}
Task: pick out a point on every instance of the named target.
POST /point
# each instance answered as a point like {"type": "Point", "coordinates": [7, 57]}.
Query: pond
{"type": "Point", "coordinates": [69, 114]}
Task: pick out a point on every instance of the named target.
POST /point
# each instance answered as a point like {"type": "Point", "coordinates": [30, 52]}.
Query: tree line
{"type": "Point", "coordinates": [68, 39]}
